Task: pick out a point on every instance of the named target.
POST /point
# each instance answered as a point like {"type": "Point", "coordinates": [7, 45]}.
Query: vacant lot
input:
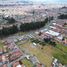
{"type": "Point", "coordinates": [44, 55]}
{"type": "Point", "coordinates": [1, 45]}
{"type": "Point", "coordinates": [27, 63]}
{"type": "Point", "coordinates": [60, 52]}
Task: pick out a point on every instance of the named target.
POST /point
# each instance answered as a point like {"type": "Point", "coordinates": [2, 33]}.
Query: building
{"type": "Point", "coordinates": [18, 64]}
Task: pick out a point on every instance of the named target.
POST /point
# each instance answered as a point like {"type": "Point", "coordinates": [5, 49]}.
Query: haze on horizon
{"type": "Point", "coordinates": [34, 1]}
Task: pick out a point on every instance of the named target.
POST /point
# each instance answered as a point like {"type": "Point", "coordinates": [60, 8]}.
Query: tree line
{"type": "Point", "coordinates": [5, 31]}
{"type": "Point", "coordinates": [49, 41]}
{"type": "Point", "coordinates": [62, 16]}
{"type": "Point", "coordinates": [10, 20]}
{"type": "Point", "coordinates": [33, 25]}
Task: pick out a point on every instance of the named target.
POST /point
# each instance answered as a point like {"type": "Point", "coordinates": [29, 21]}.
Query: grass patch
{"type": "Point", "coordinates": [27, 63]}
{"type": "Point", "coordinates": [61, 56]}
{"type": "Point", "coordinates": [21, 33]}
{"type": "Point", "coordinates": [60, 52]}
{"type": "Point", "coordinates": [62, 47]}
{"type": "Point", "coordinates": [1, 45]}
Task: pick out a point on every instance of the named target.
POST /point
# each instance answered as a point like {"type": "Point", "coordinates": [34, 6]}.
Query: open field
{"type": "Point", "coordinates": [21, 33]}
{"type": "Point", "coordinates": [41, 54]}
{"type": "Point", "coordinates": [59, 52]}
{"type": "Point", "coordinates": [27, 63]}
{"type": "Point", "coordinates": [1, 45]}
{"type": "Point", "coordinates": [62, 47]}
{"type": "Point", "coordinates": [61, 56]}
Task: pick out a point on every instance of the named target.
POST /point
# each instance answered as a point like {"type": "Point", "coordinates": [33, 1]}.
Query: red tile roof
{"type": "Point", "coordinates": [15, 55]}
{"type": "Point", "coordinates": [5, 65]}
{"type": "Point", "coordinates": [0, 58]}
{"type": "Point", "coordinates": [40, 65]}
{"type": "Point", "coordinates": [17, 63]}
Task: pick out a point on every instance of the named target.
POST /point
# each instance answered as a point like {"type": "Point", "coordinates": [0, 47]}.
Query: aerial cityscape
{"type": "Point", "coordinates": [33, 33]}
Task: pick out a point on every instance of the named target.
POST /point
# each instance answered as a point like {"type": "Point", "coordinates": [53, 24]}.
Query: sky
{"type": "Point", "coordinates": [37, 1]}
{"type": "Point", "coordinates": [51, 1]}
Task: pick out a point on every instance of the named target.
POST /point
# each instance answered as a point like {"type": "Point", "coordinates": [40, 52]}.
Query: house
{"type": "Point", "coordinates": [56, 63]}
{"type": "Point", "coordinates": [3, 58]}
{"type": "Point", "coordinates": [0, 58]}
{"type": "Point", "coordinates": [40, 65]}
{"type": "Point", "coordinates": [34, 59]}
{"type": "Point", "coordinates": [1, 51]}
{"type": "Point", "coordinates": [4, 65]}
{"type": "Point", "coordinates": [65, 41]}
{"type": "Point", "coordinates": [4, 48]}
{"type": "Point", "coordinates": [18, 64]}
{"type": "Point", "coordinates": [14, 55]}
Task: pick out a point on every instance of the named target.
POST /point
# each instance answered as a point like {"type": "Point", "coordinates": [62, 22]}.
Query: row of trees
{"type": "Point", "coordinates": [10, 20]}
{"type": "Point", "coordinates": [23, 27]}
{"type": "Point", "coordinates": [62, 16]}
{"type": "Point", "coordinates": [8, 30]}
{"type": "Point", "coordinates": [33, 26]}
{"type": "Point", "coordinates": [48, 41]}
{"type": "Point", "coordinates": [38, 41]}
